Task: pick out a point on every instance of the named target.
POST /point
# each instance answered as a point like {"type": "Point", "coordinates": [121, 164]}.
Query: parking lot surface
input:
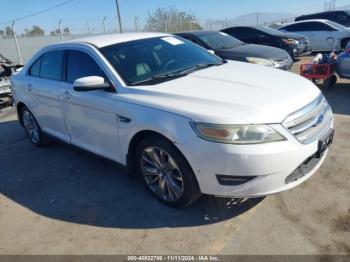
{"type": "Point", "coordinates": [61, 200]}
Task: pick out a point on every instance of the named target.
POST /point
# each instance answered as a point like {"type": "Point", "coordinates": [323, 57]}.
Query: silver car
{"type": "Point", "coordinates": [343, 64]}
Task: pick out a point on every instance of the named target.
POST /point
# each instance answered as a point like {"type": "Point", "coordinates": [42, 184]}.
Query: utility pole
{"type": "Point", "coordinates": [59, 28]}
{"type": "Point", "coordinates": [17, 46]}
{"type": "Point", "coordinates": [166, 26]}
{"type": "Point", "coordinates": [88, 27]}
{"type": "Point", "coordinates": [136, 24]}
{"type": "Point", "coordinates": [119, 18]}
{"type": "Point", "coordinates": [209, 24]}
{"type": "Point", "coordinates": [104, 24]}
{"type": "Point", "coordinates": [257, 18]}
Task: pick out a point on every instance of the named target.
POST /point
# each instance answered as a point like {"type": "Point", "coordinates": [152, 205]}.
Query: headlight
{"type": "Point", "coordinates": [260, 61]}
{"type": "Point", "coordinates": [237, 134]}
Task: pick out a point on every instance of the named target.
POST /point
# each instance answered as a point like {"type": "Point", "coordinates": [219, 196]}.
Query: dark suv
{"type": "Point", "coordinates": [340, 17]}
{"type": "Point", "coordinates": [294, 44]}
{"type": "Point", "coordinates": [230, 48]}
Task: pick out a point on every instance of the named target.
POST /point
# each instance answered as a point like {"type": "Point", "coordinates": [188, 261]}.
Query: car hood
{"type": "Point", "coordinates": [234, 93]}
{"type": "Point", "coordinates": [250, 50]}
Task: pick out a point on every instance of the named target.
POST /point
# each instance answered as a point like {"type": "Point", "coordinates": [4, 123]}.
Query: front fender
{"type": "Point", "coordinates": [174, 127]}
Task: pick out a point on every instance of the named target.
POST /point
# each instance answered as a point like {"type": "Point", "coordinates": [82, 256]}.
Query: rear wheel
{"type": "Point", "coordinates": [32, 128]}
{"type": "Point", "coordinates": [166, 172]}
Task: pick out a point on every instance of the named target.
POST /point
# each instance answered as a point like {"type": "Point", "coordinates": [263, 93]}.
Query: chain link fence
{"type": "Point", "coordinates": [27, 46]}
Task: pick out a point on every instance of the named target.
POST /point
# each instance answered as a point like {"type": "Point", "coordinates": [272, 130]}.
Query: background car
{"type": "Point", "coordinates": [7, 68]}
{"type": "Point", "coordinates": [294, 44]}
{"type": "Point", "coordinates": [340, 17]}
{"type": "Point", "coordinates": [343, 64]}
{"type": "Point", "coordinates": [324, 35]}
{"type": "Point", "coordinates": [230, 48]}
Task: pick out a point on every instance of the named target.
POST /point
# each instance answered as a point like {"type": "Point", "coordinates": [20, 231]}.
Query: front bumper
{"type": "Point", "coordinates": [284, 63]}
{"type": "Point", "coordinates": [304, 50]}
{"type": "Point", "coordinates": [286, 66]}
{"type": "Point", "coordinates": [5, 87]}
{"type": "Point", "coordinates": [343, 66]}
{"type": "Point", "coordinates": [270, 165]}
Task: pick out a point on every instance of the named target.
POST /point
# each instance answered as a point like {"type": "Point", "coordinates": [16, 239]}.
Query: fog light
{"type": "Point", "coordinates": [233, 180]}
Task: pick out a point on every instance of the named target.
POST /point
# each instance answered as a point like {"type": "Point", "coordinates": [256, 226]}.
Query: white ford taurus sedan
{"type": "Point", "coordinates": [183, 119]}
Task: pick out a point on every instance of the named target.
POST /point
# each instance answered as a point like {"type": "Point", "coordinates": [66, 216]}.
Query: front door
{"type": "Point", "coordinates": [90, 116]}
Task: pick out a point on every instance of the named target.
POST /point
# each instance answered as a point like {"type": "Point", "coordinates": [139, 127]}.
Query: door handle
{"type": "Point", "coordinates": [123, 119]}
{"type": "Point", "coordinates": [30, 87]}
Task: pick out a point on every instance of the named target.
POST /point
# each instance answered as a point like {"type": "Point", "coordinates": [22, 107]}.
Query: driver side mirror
{"type": "Point", "coordinates": [211, 51]}
{"type": "Point", "coordinates": [90, 83]}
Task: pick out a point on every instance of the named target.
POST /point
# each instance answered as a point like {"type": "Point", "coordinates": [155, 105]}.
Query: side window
{"type": "Point", "coordinates": [193, 40]}
{"type": "Point", "coordinates": [296, 27]}
{"type": "Point", "coordinates": [35, 68]}
{"type": "Point", "coordinates": [51, 65]}
{"type": "Point", "coordinates": [319, 27]}
{"type": "Point", "coordinates": [80, 64]}
{"type": "Point", "coordinates": [242, 33]}
{"type": "Point", "coordinates": [237, 31]}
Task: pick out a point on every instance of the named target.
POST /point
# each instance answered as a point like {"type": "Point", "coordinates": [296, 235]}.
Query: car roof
{"type": "Point", "coordinates": [267, 30]}
{"type": "Point", "coordinates": [311, 20]}
{"type": "Point", "coordinates": [107, 40]}
{"type": "Point", "coordinates": [197, 32]}
{"type": "Point", "coordinates": [326, 12]}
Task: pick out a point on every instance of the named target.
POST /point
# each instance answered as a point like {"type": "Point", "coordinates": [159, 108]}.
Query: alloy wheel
{"type": "Point", "coordinates": [31, 127]}
{"type": "Point", "coordinates": [162, 174]}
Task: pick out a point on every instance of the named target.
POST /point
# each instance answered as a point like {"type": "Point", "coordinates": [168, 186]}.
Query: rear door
{"type": "Point", "coordinates": [325, 36]}
{"type": "Point", "coordinates": [44, 79]}
{"type": "Point", "coordinates": [90, 116]}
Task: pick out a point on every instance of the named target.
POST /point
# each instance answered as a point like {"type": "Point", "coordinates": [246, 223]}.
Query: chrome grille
{"type": "Point", "coordinates": [311, 122]}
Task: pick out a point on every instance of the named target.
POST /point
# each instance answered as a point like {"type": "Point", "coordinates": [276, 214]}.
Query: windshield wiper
{"type": "Point", "coordinates": [177, 74]}
{"type": "Point", "coordinates": [157, 77]}
{"type": "Point", "coordinates": [198, 67]}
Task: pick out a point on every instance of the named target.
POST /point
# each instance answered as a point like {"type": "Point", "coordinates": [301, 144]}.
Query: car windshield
{"type": "Point", "coordinates": [220, 40]}
{"type": "Point", "coordinates": [141, 61]}
{"type": "Point", "coordinates": [336, 25]}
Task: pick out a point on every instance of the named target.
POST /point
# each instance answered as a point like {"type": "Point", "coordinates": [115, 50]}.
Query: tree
{"type": "Point", "coordinates": [65, 31]}
{"type": "Point", "coordinates": [2, 33]}
{"type": "Point", "coordinates": [34, 31]}
{"type": "Point", "coordinates": [8, 31]}
{"type": "Point", "coordinates": [55, 32]}
{"type": "Point", "coordinates": [171, 20]}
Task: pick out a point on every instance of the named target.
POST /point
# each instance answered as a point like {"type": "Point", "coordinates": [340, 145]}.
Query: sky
{"type": "Point", "coordinates": [81, 15]}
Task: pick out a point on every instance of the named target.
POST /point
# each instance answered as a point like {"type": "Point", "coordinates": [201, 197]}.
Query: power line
{"type": "Point", "coordinates": [38, 12]}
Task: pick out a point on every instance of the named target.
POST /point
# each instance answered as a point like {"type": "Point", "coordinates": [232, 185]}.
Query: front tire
{"type": "Point", "coordinates": [32, 128]}
{"type": "Point", "coordinates": [166, 172]}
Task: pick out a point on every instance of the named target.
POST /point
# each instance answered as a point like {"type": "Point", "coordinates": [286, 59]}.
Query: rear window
{"type": "Point", "coordinates": [35, 68]}
{"type": "Point", "coordinates": [51, 65]}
